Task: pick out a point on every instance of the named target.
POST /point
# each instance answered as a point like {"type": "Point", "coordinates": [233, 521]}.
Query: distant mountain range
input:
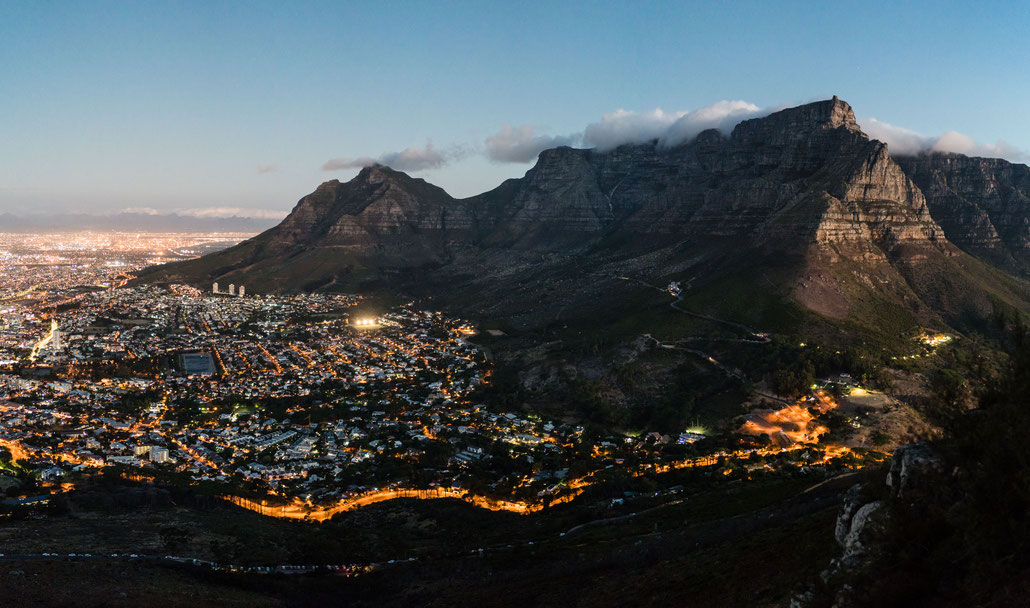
{"type": "Point", "coordinates": [792, 220]}
{"type": "Point", "coordinates": [130, 222]}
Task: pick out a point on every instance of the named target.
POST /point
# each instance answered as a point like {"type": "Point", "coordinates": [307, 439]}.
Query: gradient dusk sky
{"type": "Point", "coordinates": [195, 105]}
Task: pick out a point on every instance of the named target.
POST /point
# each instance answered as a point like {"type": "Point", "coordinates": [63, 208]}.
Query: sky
{"type": "Point", "coordinates": [241, 108]}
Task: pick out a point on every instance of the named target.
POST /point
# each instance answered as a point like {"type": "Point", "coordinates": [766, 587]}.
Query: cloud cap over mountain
{"type": "Point", "coordinates": [906, 142]}
{"type": "Point", "coordinates": [409, 159]}
{"type": "Point", "coordinates": [669, 128]}
{"type": "Point", "coordinates": [522, 144]}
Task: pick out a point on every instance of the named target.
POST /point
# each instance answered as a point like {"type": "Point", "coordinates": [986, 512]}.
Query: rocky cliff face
{"type": "Point", "coordinates": [806, 172]}
{"type": "Point", "coordinates": [804, 184]}
{"type": "Point", "coordinates": [983, 204]}
{"type": "Point", "coordinates": [809, 172]}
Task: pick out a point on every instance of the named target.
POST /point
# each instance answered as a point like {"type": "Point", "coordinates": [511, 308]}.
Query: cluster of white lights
{"type": "Point", "coordinates": [364, 322]}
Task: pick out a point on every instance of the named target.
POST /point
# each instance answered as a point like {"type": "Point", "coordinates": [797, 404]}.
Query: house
{"type": "Point", "coordinates": [51, 473]}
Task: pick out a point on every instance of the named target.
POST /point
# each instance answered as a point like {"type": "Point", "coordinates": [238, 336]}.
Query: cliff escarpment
{"type": "Point", "coordinates": [983, 204]}
{"type": "Point", "coordinates": [801, 198]}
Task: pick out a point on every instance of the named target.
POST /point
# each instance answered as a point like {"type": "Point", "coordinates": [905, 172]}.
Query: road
{"type": "Point", "coordinates": [343, 569]}
{"type": "Point", "coordinates": [316, 513]}
{"type": "Point", "coordinates": [729, 371]}
{"type": "Point", "coordinates": [754, 336]}
{"type": "Point", "coordinates": [299, 510]}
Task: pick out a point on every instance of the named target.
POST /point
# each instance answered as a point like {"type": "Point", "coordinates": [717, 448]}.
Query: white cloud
{"type": "Point", "coordinates": [953, 141]}
{"type": "Point", "coordinates": [669, 128]}
{"type": "Point", "coordinates": [141, 211]}
{"type": "Point", "coordinates": [722, 115]}
{"type": "Point", "coordinates": [522, 144]}
{"type": "Point", "coordinates": [899, 140]}
{"type": "Point", "coordinates": [905, 142]}
{"type": "Point", "coordinates": [408, 159]}
{"type": "Point", "coordinates": [626, 127]}
{"type": "Point", "coordinates": [264, 214]}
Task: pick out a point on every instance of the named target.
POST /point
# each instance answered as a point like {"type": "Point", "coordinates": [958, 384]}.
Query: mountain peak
{"type": "Point", "coordinates": [831, 113]}
{"type": "Point", "coordinates": [376, 173]}
{"type": "Point", "coordinates": [799, 121]}
{"type": "Point", "coordinates": [839, 114]}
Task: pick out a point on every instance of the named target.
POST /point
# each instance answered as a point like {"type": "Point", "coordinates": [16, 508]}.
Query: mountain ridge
{"type": "Point", "coordinates": [804, 184]}
{"type": "Point", "coordinates": [982, 203]}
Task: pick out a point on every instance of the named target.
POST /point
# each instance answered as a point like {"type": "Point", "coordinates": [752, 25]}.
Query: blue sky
{"type": "Point", "coordinates": [197, 105]}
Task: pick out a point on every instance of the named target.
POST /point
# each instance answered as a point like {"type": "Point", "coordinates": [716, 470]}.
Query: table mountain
{"type": "Point", "coordinates": [791, 217]}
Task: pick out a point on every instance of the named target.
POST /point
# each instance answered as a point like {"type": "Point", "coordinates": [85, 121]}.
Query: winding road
{"type": "Point", "coordinates": [754, 336]}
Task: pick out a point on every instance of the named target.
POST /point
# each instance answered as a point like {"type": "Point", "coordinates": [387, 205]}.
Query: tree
{"type": "Point", "coordinates": [793, 383]}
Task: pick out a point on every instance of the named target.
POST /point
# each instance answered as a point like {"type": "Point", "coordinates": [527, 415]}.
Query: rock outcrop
{"type": "Point", "coordinates": [863, 521]}
{"type": "Point", "coordinates": [911, 466]}
{"type": "Point", "coordinates": [858, 532]}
